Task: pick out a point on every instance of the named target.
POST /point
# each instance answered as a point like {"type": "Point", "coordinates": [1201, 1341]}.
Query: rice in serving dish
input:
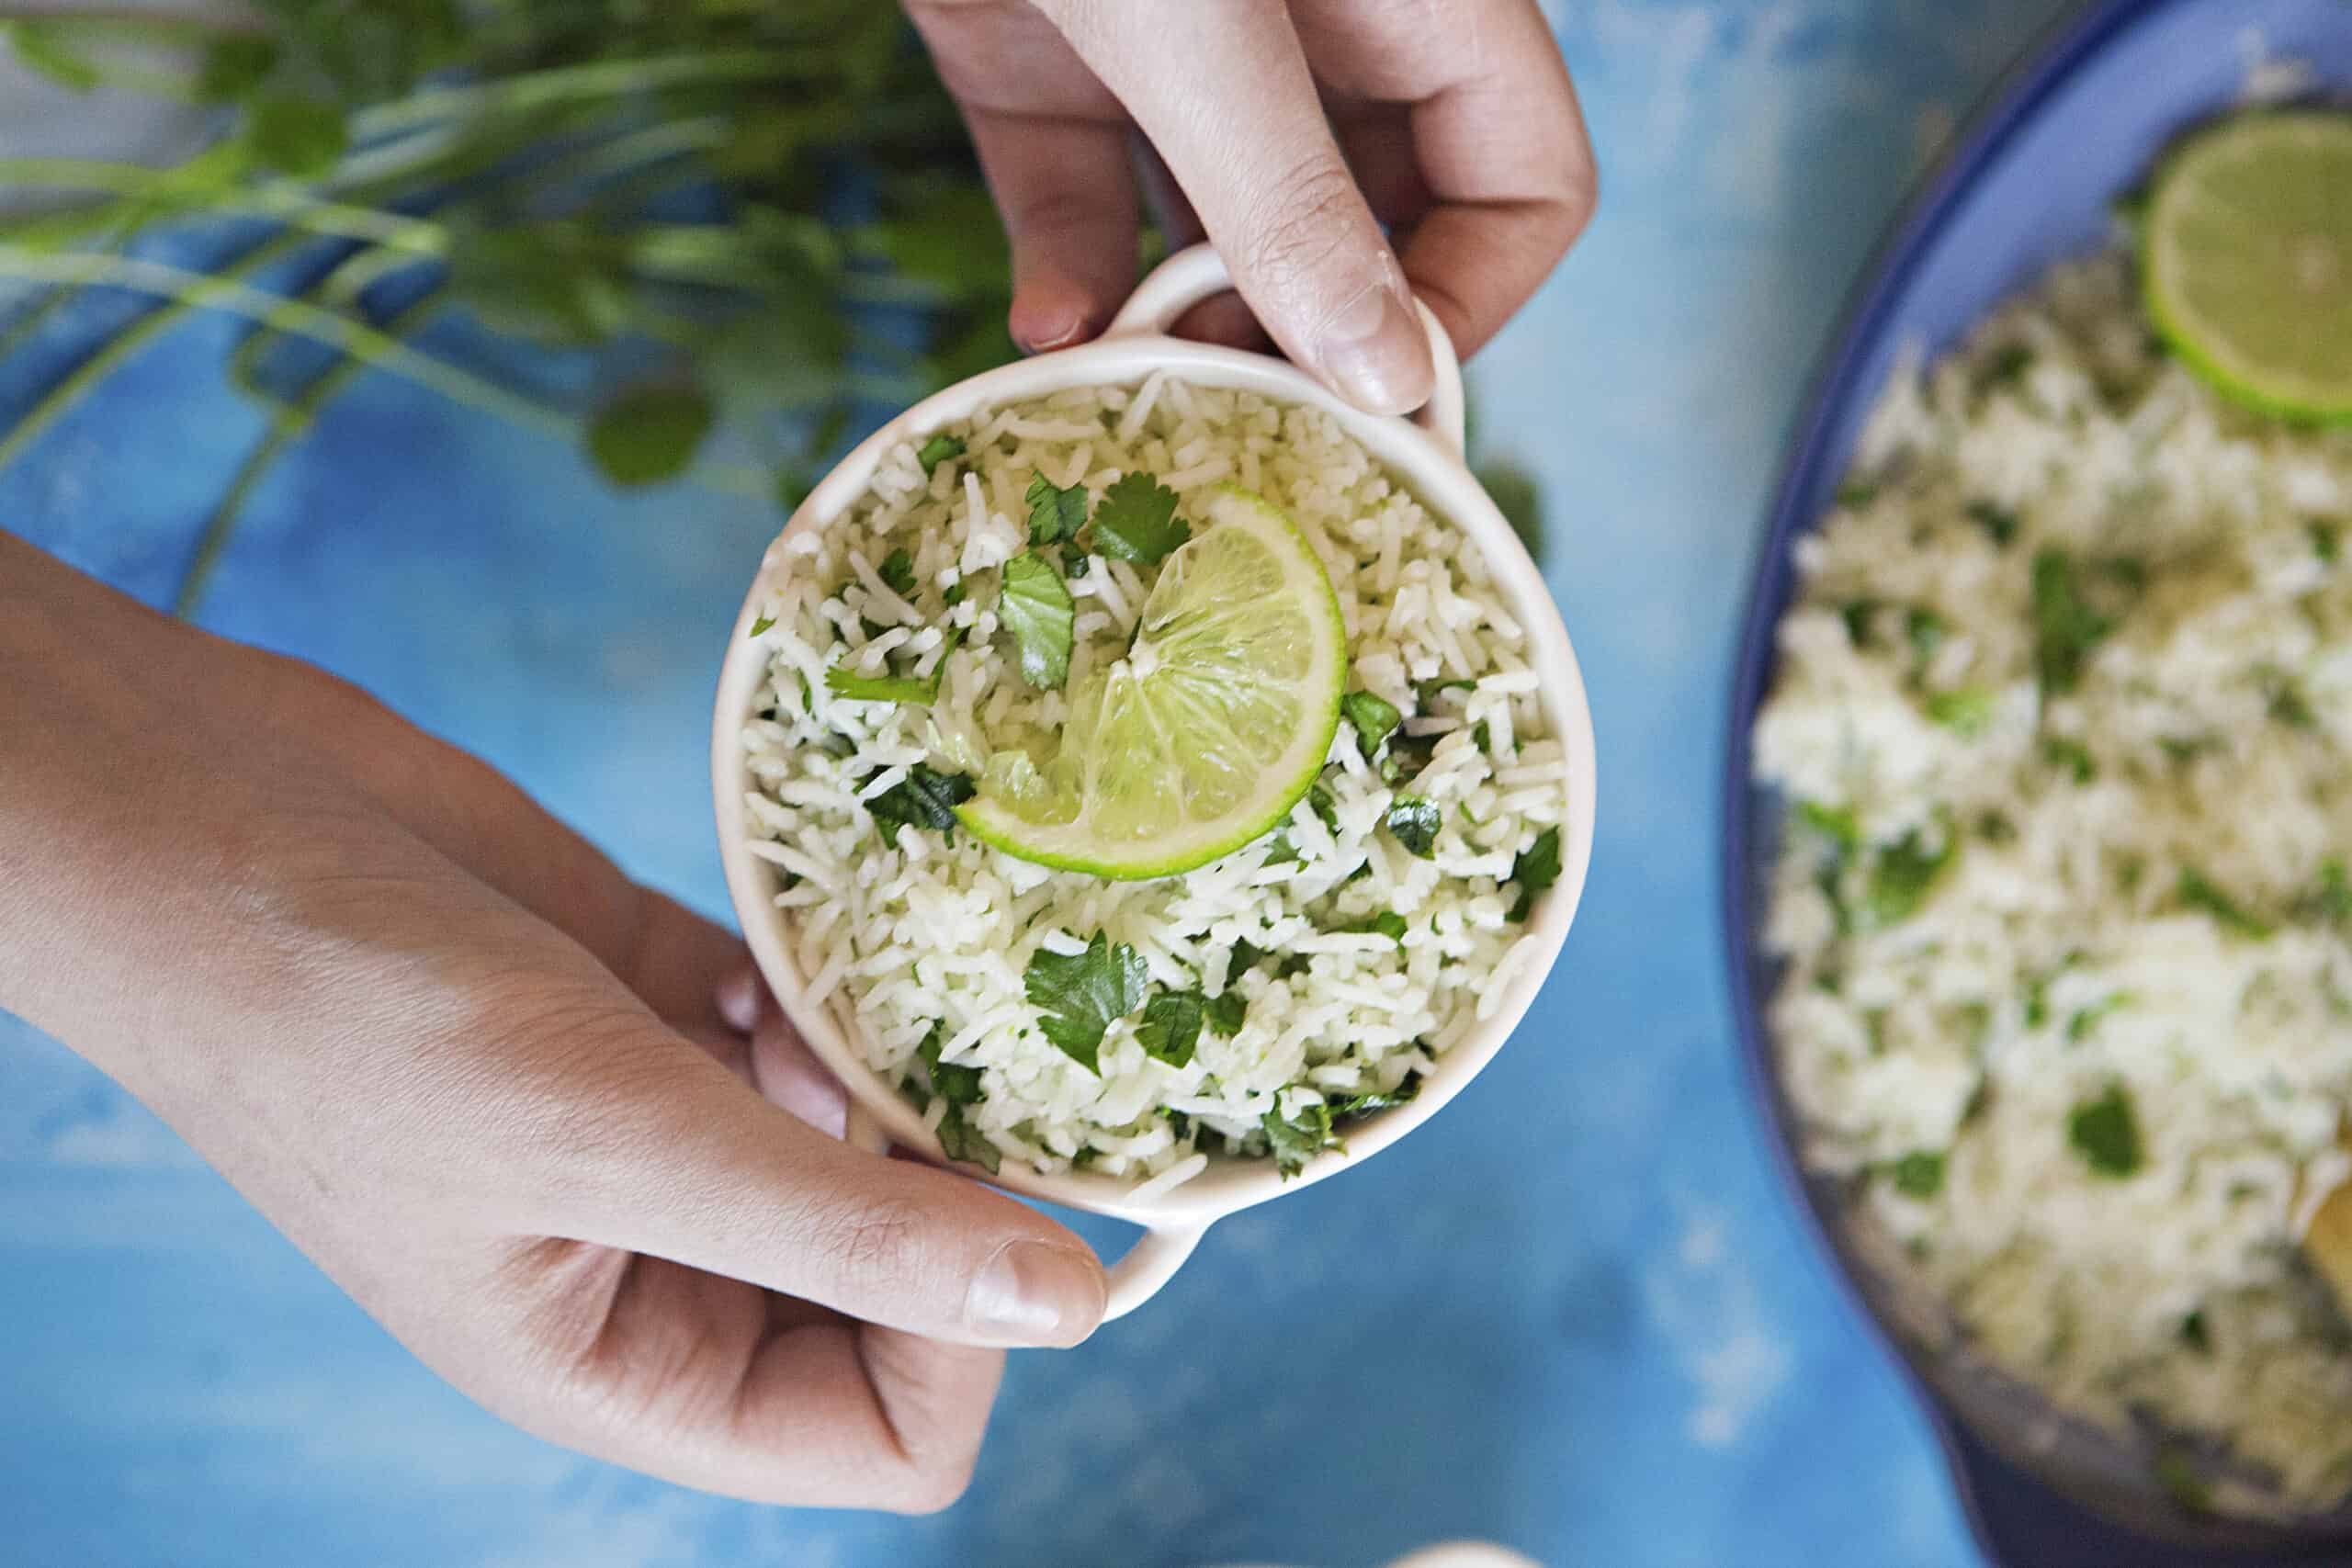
{"type": "Point", "coordinates": [2062, 719]}
{"type": "Point", "coordinates": [1252, 1006]}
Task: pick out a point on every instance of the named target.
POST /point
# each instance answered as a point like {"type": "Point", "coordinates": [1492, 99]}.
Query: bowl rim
{"type": "Point", "coordinates": [1433, 472]}
{"type": "Point", "coordinates": [2015, 98]}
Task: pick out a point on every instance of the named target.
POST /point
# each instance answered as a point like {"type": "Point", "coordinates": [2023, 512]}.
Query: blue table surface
{"type": "Point", "coordinates": [1577, 1314]}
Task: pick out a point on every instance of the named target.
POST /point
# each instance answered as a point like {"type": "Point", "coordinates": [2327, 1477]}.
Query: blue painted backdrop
{"type": "Point", "coordinates": [1576, 1314]}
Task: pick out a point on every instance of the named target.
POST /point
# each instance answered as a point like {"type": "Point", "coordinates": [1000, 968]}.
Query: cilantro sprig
{"type": "Point", "coordinates": [1034, 604]}
{"type": "Point", "coordinates": [1080, 995]}
{"type": "Point", "coordinates": [1136, 521]}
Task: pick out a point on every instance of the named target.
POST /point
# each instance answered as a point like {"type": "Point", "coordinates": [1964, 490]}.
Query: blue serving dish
{"type": "Point", "coordinates": [2030, 179]}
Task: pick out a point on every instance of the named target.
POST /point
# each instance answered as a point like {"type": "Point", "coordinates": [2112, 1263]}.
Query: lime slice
{"type": "Point", "coordinates": [1210, 729]}
{"type": "Point", "coordinates": [2249, 260]}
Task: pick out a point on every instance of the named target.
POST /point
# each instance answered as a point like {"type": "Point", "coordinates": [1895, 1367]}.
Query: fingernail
{"type": "Point", "coordinates": [1033, 1293]}
{"type": "Point", "coordinates": [739, 1000]}
{"type": "Point", "coordinates": [1374, 353]}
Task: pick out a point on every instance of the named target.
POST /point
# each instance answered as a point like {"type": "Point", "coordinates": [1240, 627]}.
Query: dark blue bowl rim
{"type": "Point", "coordinates": [2010, 105]}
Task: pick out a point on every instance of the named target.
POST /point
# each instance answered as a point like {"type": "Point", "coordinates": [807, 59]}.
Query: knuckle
{"type": "Point", "coordinates": [1303, 216]}
{"type": "Point", "coordinates": [876, 1241]}
{"type": "Point", "coordinates": [935, 1483]}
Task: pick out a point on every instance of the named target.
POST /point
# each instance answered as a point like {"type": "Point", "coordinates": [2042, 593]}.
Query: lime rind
{"type": "Point", "coordinates": [2188, 191]}
{"type": "Point", "coordinates": [1211, 687]}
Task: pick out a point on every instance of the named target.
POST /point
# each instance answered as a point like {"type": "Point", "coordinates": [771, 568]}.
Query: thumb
{"type": "Point", "coordinates": [700, 1171]}
{"type": "Point", "coordinates": [1241, 129]}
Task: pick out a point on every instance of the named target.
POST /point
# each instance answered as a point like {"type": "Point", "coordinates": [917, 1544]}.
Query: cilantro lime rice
{"type": "Point", "coordinates": [948, 624]}
{"type": "Point", "coordinates": [2064, 719]}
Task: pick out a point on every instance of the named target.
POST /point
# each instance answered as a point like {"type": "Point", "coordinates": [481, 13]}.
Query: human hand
{"type": "Point", "coordinates": [1454, 124]}
{"type": "Point", "coordinates": [487, 1083]}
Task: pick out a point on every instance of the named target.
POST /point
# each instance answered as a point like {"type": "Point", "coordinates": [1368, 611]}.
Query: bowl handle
{"type": "Point", "coordinates": [1150, 1263]}
{"type": "Point", "coordinates": [1191, 276]}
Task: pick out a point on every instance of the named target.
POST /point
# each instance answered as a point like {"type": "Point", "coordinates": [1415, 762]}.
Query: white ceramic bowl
{"type": "Point", "coordinates": [1427, 453]}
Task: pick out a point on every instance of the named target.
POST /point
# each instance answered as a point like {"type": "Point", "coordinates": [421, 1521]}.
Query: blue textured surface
{"type": "Point", "coordinates": [1575, 1315]}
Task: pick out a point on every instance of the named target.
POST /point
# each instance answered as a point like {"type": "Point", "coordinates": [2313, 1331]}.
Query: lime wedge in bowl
{"type": "Point", "coordinates": [1207, 733]}
{"type": "Point", "coordinates": [2249, 260]}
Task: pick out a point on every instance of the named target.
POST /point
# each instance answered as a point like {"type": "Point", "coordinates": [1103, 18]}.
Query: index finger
{"type": "Point", "coordinates": [1499, 138]}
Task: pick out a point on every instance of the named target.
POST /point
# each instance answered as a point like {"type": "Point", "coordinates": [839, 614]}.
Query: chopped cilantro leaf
{"type": "Point", "coordinates": [923, 799]}
{"type": "Point", "coordinates": [1055, 511]}
{"type": "Point", "coordinates": [1373, 717]}
{"type": "Point", "coordinates": [762, 624]}
{"type": "Point", "coordinates": [1298, 1139]}
{"type": "Point", "coordinates": [919, 691]}
{"type": "Point", "coordinates": [2288, 706]}
{"type": "Point", "coordinates": [1855, 495]}
{"type": "Point", "coordinates": [1966, 711]}
{"type": "Point", "coordinates": [2199, 892]}
{"type": "Point", "coordinates": [2069, 755]}
{"type": "Point", "coordinates": [1840, 824]}
{"type": "Point", "coordinates": [1136, 521]}
{"type": "Point", "coordinates": [1224, 1013]}
{"type": "Point", "coordinates": [1246, 954]}
{"type": "Point", "coordinates": [1858, 615]}
{"type": "Point", "coordinates": [898, 572]}
{"type": "Point", "coordinates": [1073, 561]}
{"type": "Point", "coordinates": [956, 1085]}
{"type": "Point", "coordinates": [1414, 823]}
{"type": "Point", "coordinates": [2065, 628]}
{"type": "Point", "coordinates": [1077, 995]}
{"type": "Point", "coordinates": [1387, 923]}
{"type": "Point", "coordinates": [1360, 1105]}
{"type": "Point", "coordinates": [1924, 629]}
{"type": "Point", "coordinates": [937, 450]}
{"type": "Point", "coordinates": [2106, 1134]}
{"type": "Point", "coordinates": [1902, 878]}
{"type": "Point", "coordinates": [1319, 796]}
{"type": "Point", "coordinates": [1537, 868]}
{"type": "Point", "coordinates": [2008, 362]}
{"type": "Point", "coordinates": [1919, 1174]}
{"type": "Point", "coordinates": [1171, 1027]}
{"type": "Point", "coordinates": [2327, 541]}
{"type": "Point", "coordinates": [2085, 1019]}
{"type": "Point", "coordinates": [2332, 900]}
{"type": "Point", "coordinates": [2196, 1334]}
{"type": "Point", "coordinates": [1425, 693]}
{"type": "Point", "coordinates": [1997, 522]}
{"type": "Point", "coordinates": [1280, 851]}
{"type": "Point", "coordinates": [958, 1139]}
{"type": "Point", "coordinates": [1036, 605]}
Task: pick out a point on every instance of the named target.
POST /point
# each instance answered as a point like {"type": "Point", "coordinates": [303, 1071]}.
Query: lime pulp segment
{"type": "Point", "coordinates": [2249, 260]}
{"type": "Point", "coordinates": [1207, 733]}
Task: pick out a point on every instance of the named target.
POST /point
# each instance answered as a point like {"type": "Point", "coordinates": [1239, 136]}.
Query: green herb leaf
{"type": "Point", "coordinates": [1901, 878]}
{"type": "Point", "coordinates": [956, 1085]}
{"type": "Point", "coordinates": [1855, 495]}
{"type": "Point", "coordinates": [1373, 717]}
{"type": "Point", "coordinates": [898, 572]}
{"type": "Point", "coordinates": [1324, 805]}
{"type": "Point", "coordinates": [958, 1139]}
{"type": "Point", "coordinates": [2331, 901]}
{"type": "Point", "coordinates": [2069, 755]}
{"type": "Point", "coordinates": [1224, 1013]}
{"type": "Point", "coordinates": [1387, 923]}
{"type": "Point", "coordinates": [761, 625]}
{"type": "Point", "coordinates": [2199, 892]}
{"type": "Point", "coordinates": [303, 137]}
{"type": "Point", "coordinates": [2008, 364]}
{"type": "Point", "coordinates": [233, 65]}
{"type": "Point", "coordinates": [2327, 541]}
{"type": "Point", "coordinates": [1414, 823]}
{"type": "Point", "coordinates": [1997, 522]}
{"type": "Point", "coordinates": [1170, 1027]}
{"type": "Point", "coordinates": [1425, 693]}
{"type": "Point", "coordinates": [1362, 1105]}
{"type": "Point", "coordinates": [1036, 604]}
{"type": "Point", "coordinates": [1079, 994]}
{"type": "Point", "coordinates": [1858, 615]}
{"type": "Point", "coordinates": [2196, 1334]}
{"type": "Point", "coordinates": [2288, 705]}
{"type": "Point", "coordinates": [1924, 630]}
{"type": "Point", "coordinates": [1966, 711]}
{"type": "Point", "coordinates": [1136, 521]}
{"type": "Point", "coordinates": [40, 48]}
{"type": "Point", "coordinates": [1300, 1139]}
{"type": "Point", "coordinates": [1055, 511]}
{"type": "Point", "coordinates": [1840, 824]}
{"type": "Point", "coordinates": [938, 449]}
{"type": "Point", "coordinates": [1919, 1174]}
{"type": "Point", "coordinates": [1535, 869]}
{"type": "Point", "coordinates": [2085, 1019]}
{"type": "Point", "coordinates": [925, 798]}
{"type": "Point", "coordinates": [1280, 851]}
{"type": "Point", "coordinates": [2065, 628]}
{"type": "Point", "coordinates": [649, 432]}
{"type": "Point", "coordinates": [2106, 1132]}
{"type": "Point", "coordinates": [916, 691]}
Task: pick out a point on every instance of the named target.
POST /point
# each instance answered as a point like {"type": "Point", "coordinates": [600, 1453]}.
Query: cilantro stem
{"type": "Point", "coordinates": [530, 90]}
{"type": "Point", "coordinates": [299, 317]}
{"type": "Point", "coordinates": [284, 202]}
